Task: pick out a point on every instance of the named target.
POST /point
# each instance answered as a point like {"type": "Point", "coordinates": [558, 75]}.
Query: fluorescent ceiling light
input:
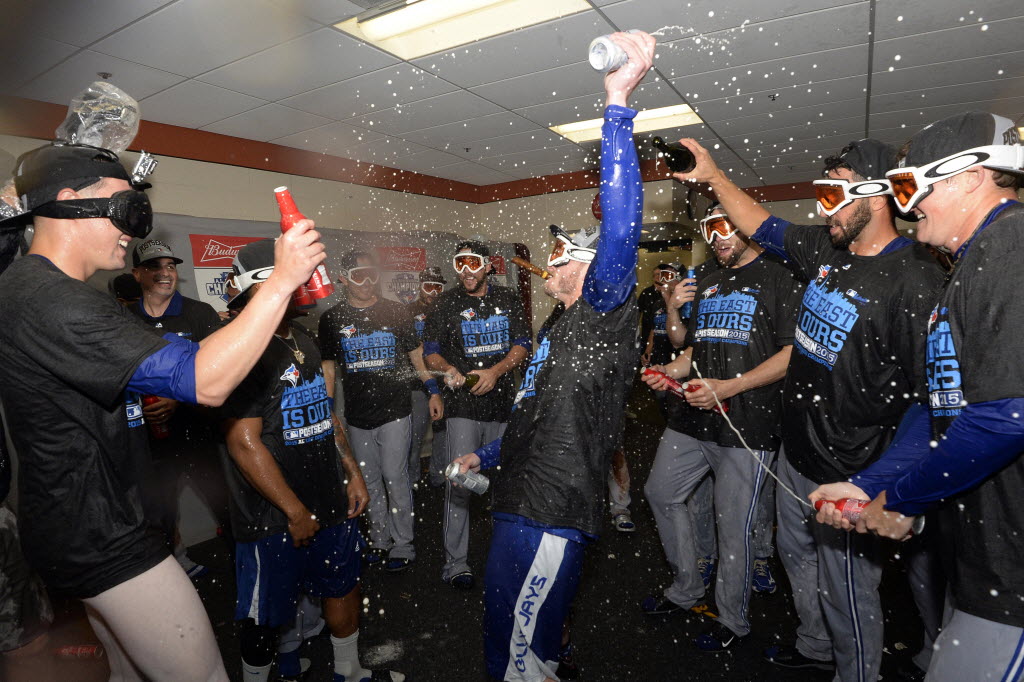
{"type": "Point", "coordinates": [421, 27]}
{"type": "Point", "coordinates": [645, 121]}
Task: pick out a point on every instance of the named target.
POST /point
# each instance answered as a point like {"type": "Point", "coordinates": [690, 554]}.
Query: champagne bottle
{"type": "Point", "coordinates": [471, 380]}
{"type": "Point", "coordinates": [678, 158]}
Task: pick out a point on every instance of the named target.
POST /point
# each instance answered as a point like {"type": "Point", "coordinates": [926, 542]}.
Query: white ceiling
{"type": "Point", "coordinates": [779, 83]}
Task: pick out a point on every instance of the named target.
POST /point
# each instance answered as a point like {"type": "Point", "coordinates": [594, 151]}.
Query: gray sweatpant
{"type": "Point", "coordinates": [464, 436]}
{"type": "Point", "coordinates": [680, 465]}
{"type": "Point", "coordinates": [835, 577]}
{"type": "Point", "coordinates": [420, 423]}
{"type": "Point", "coordinates": [383, 455]}
{"type": "Point", "coordinates": [972, 648]}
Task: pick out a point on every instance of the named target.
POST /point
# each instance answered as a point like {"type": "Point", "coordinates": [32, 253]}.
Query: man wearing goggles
{"type": "Point", "coordinates": [370, 340]}
{"type": "Point", "coordinates": [69, 349]}
{"type": "Point", "coordinates": [655, 315]}
{"type": "Point", "coordinates": [431, 285]}
{"type": "Point", "coordinates": [555, 455]}
{"type": "Point", "coordinates": [961, 457]}
{"type": "Point", "coordinates": [855, 369]}
{"type": "Point", "coordinates": [476, 328]}
{"type": "Point", "coordinates": [740, 336]}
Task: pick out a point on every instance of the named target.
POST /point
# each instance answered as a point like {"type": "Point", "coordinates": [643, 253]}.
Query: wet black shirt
{"type": "Point", "coordinates": [291, 399]}
{"type": "Point", "coordinates": [741, 317]}
{"type": "Point", "coordinates": [419, 311]}
{"type": "Point", "coordinates": [567, 419]}
{"type": "Point", "coordinates": [654, 313]}
{"type": "Point", "coordinates": [858, 349]}
{"type": "Point", "coordinates": [477, 332]}
{"type": "Point", "coordinates": [371, 348]}
{"type": "Point", "coordinates": [67, 352]}
{"type": "Point", "coordinates": [975, 344]}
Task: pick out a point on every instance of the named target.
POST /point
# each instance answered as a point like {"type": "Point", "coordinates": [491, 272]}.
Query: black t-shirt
{"type": "Point", "coordinates": [567, 419]}
{"type": "Point", "coordinates": [371, 348]}
{"type": "Point", "coordinates": [858, 351]}
{"type": "Point", "coordinates": [741, 317]}
{"type": "Point", "coordinates": [291, 399]}
{"type": "Point", "coordinates": [975, 344]}
{"type": "Point", "coordinates": [654, 313]}
{"type": "Point", "coordinates": [67, 352]}
{"type": "Point", "coordinates": [648, 297]}
{"type": "Point", "coordinates": [477, 332]}
{"type": "Point", "coordinates": [190, 426]}
{"type": "Point", "coordinates": [418, 311]}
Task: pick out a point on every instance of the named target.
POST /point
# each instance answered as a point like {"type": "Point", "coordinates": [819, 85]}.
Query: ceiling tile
{"type": "Point", "coordinates": [324, 11]}
{"type": "Point", "coordinates": [541, 138]}
{"type": "Point", "coordinates": [943, 46]}
{"type": "Point", "coordinates": [766, 137]}
{"type": "Point", "coordinates": [897, 19]}
{"type": "Point", "coordinates": [650, 95]}
{"type": "Point", "coordinates": [987, 68]}
{"type": "Point", "coordinates": [536, 48]}
{"type": "Point", "coordinates": [776, 104]}
{"type": "Point", "coordinates": [468, 133]}
{"type": "Point", "coordinates": [472, 173]}
{"type": "Point", "coordinates": [266, 123]}
{"type": "Point", "coordinates": [426, 161]}
{"type": "Point", "coordinates": [33, 55]}
{"type": "Point", "coordinates": [193, 104]}
{"type": "Point", "coordinates": [570, 157]}
{"type": "Point", "coordinates": [206, 34]}
{"type": "Point", "coordinates": [385, 152]}
{"type": "Point", "coordinates": [336, 139]}
{"type": "Point", "coordinates": [821, 112]}
{"type": "Point", "coordinates": [75, 22]}
{"type": "Point", "coordinates": [563, 82]}
{"type": "Point", "coordinates": [916, 118]}
{"type": "Point", "coordinates": [427, 113]}
{"type": "Point", "coordinates": [305, 63]}
{"type": "Point", "coordinates": [381, 89]}
{"type": "Point", "coordinates": [70, 77]}
{"type": "Point", "coordinates": [964, 93]}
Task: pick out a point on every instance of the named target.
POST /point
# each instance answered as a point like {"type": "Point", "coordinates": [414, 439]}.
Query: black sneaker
{"type": "Point", "coordinates": [790, 657]}
{"type": "Point", "coordinates": [658, 605]}
{"type": "Point", "coordinates": [717, 638]}
{"type": "Point", "coordinates": [462, 581]}
{"type": "Point", "coordinates": [375, 556]}
{"type": "Point", "coordinates": [397, 564]}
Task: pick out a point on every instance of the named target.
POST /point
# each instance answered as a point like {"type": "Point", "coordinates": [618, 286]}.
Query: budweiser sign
{"type": "Point", "coordinates": [498, 265]}
{"type": "Point", "coordinates": [402, 258]}
{"type": "Point", "coordinates": [216, 251]}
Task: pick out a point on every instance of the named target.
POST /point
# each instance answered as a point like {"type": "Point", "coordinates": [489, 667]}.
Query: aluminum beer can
{"type": "Point", "coordinates": [471, 481]}
{"type": "Point", "coordinates": [604, 55]}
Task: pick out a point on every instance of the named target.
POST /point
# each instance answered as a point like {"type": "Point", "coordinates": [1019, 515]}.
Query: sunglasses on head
{"type": "Point", "coordinates": [716, 225]}
{"type": "Point", "coordinates": [362, 275]}
{"type": "Point", "coordinates": [473, 262]}
{"type": "Point", "coordinates": [564, 251]}
{"type": "Point", "coordinates": [129, 210]}
{"type": "Point", "coordinates": [834, 195]}
{"type": "Point", "coordinates": [431, 287]}
{"type": "Point", "coordinates": [912, 184]}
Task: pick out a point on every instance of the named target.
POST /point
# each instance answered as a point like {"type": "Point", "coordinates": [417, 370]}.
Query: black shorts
{"type": "Point", "coordinates": [25, 610]}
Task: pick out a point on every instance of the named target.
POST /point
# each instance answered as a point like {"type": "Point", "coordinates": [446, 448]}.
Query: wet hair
{"type": "Point", "coordinates": [836, 162]}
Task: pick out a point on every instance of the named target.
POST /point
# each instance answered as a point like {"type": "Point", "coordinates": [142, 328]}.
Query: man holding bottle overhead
{"type": "Point", "coordinates": [477, 334]}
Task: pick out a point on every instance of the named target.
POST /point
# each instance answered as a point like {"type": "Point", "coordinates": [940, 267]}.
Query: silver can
{"type": "Point", "coordinates": [471, 481]}
{"type": "Point", "coordinates": [605, 55]}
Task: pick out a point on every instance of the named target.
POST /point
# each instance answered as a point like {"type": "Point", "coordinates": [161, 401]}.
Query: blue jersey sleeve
{"type": "Point", "coordinates": [772, 236]}
{"type": "Point", "coordinates": [909, 446]}
{"type": "Point", "coordinates": [489, 454]}
{"type": "Point", "coordinates": [170, 372]}
{"type": "Point", "coordinates": [612, 275]}
{"type": "Point", "coordinates": [979, 443]}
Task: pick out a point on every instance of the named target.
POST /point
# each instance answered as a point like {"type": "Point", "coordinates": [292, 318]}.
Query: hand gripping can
{"type": "Point", "coordinates": [604, 55]}
{"type": "Point", "coordinates": [471, 481]}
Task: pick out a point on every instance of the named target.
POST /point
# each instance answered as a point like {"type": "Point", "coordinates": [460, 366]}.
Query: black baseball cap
{"type": "Point", "coordinates": [432, 274]}
{"type": "Point", "coordinates": [960, 133]}
{"type": "Point", "coordinates": [253, 264]}
{"type": "Point", "coordinates": [868, 158]}
{"type": "Point", "coordinates": [475, 246]}
{"type": "Point", "coordinates": [670, 266]}
{"type": "Point", "coordinates": [41, 173]}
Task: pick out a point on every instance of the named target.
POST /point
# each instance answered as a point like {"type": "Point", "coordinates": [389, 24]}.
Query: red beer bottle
{"type": "Point", "coordinates": [319, 284]}
{"type": "Point", "coordinates": [158, 431]}
{"type": "Point", "coordinates": [847, 506]}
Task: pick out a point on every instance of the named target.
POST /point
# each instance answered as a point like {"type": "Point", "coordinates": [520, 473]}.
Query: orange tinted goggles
{"type": "Point", "coordinates": [716, 226]}
{"type": "Point", "coordinates": [469, 261]}
{"type": "Point", "coordinates": [431, 287]}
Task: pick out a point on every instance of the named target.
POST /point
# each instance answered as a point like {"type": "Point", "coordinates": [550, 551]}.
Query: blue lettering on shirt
{"type": "Point", "coordinates": [528, 389]}
{"type": "Point", "coordinates": [826, 318]}
{"type": "Point", "coordinates": [486, 336]}
{"type": "Point", "coordinates": [306, 411]}
{"type": "Point", "coordinates": [660, 320]}
{"type": "Point", "coordinates": [369, 352]}
{"type": "Point", "coordinates": [945, 384]}
{"type": "Point", "coordinates": [133, 410]}
{"type": "Point", "coordinates": [420, 323]}
{"type": "Point", "coordinates": [725, 319]}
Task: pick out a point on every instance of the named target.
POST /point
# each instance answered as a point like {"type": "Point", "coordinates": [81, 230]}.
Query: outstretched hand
{"type": "Point", "coordinates": [705, 169]}
{"type": "Point", "coordinates": [619, 84]}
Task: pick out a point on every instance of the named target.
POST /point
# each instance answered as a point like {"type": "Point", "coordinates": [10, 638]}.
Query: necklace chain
{"type": "Point", "coordinates": [300, 357]}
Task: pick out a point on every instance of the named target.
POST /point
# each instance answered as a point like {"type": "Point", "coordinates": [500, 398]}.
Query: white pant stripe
{"type": "Point", "coordinates": [536, 587]}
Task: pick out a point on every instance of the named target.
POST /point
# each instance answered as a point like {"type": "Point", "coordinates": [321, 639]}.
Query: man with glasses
{"type": "Point", "coordinates": [479, 329]}
{"type": "Point", "coordinates": [371, 341]}
{"type": "Point", "coordinates": [431, 285]}
{"type": "Point", "coordinates": [739, 336]}
{"type": "Point", "coordinates": [962, 456]}
{"type": "Point", "coordinates": [658, 347]}
{"type": "Point", "coordinates": [855, 369]}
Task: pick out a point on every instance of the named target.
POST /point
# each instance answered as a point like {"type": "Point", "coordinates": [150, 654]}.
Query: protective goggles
{"type": "Point", "coordinates": [564, 251]}
{"type": "Point", "coordinates": [129, 210]}
{"type": "Point", "coordinates": [431, 287]}
{"type": "Point", "coordinates": [665, 276]}
{"type": "Point", "coordinates": [834, 195]}
{"type": "Point", "coordinates": [912, 184]}
{"type": "Point", "coordinates": [716, 226]}
{"type": "Point", "coordinates": [473, 262]}
{"type": "Point", "coordinates": [362, 275]}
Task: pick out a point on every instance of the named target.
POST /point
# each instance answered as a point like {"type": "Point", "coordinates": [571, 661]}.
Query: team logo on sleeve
{"type": "Point", "coordinates": [468, 314]}
{"type": "Point", "coordinates": [348, 331]}
{"type": "Point", "coordinates": [710, 291]}
{"type": "Point", "coordinates": [292, 375]}
{"type": "Point", "coordinates": [823, 271]}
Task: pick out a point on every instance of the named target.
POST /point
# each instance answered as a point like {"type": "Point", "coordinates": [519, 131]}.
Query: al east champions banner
{"type": "Point", "coordinates": [211, 259]}
{"type": "Point", "coordinates": [400, 268]}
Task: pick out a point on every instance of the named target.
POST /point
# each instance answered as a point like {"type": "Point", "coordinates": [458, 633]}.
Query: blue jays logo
{"type": "Point", "coordinates": [216, 288]}
{"type": "Point", "coordinates": [420, 318]}
{"type": "Point", "coordinates": [710, 291]}
{"type": "Point", "coordinates": [292, 375]}
{"type": "Point", "coordinates": [469, 314]}
{"type": "Point", "coordinates": [823, 271]}
{"type": "Point", "coordinates": [933, 317]}
{"type": "Point", "coordinates": [348, 331]}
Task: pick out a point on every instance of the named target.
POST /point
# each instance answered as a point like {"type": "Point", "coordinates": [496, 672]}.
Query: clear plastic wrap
{"type": "Point", "coordinates": [102, 115]}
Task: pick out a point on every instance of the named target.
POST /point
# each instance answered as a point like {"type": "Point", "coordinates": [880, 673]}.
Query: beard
{"type": "Point", "coordinates": [735, 254]}
{"type": "Point", "coordinates": [481, 279]}
{"type": "Point", "coordinates": [851, 229]}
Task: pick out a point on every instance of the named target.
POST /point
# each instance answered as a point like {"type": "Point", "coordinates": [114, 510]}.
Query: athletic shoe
{"type": "Point", "coordinates": [658, 605]}
{"type": "Point", "coordinates": [764, 581]}
{"type": "Point", "coordinates": [567, 668]}
{"type": "Point", "coordinates": [291, 667]}
{"type": "Point", "coordinates": [197, 571]}
{"type": "Point", "coordinates": [624, 523]}
{"type": "Point", "coordinates": [789, 657]}
{"type": "Point", "coordinates": [706, 566]}
{"type": "Point", "coordinates": [375, 676]}
{"type": "Point", "coordinates": [375, 556]}
{"type": "Point", "coordinates": [397, 564]}
{"type": "Point", "coordinates": [717, 638]}
{"type": "Point", "coordinates": [462, 581]}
